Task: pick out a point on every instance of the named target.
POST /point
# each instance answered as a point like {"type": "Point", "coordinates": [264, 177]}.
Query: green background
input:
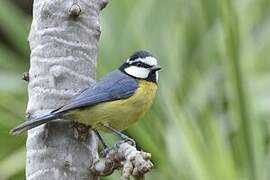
{"type": "Point", "coordinates": [210, 120]}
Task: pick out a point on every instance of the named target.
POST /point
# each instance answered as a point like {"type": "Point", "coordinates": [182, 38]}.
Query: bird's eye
{"type": "Point", "coordinates": [139, 64]}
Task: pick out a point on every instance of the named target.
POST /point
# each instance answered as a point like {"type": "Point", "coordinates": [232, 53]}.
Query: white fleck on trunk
{"type": "Point", "coordinates": [63, 41]}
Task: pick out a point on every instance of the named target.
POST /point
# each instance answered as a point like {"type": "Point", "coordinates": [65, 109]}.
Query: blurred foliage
{"type": "Point", "coordinates": [210, 118]}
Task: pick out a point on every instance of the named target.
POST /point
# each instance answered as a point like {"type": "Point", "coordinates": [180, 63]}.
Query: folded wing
{"type": "Point", "coordinates": [114, 86]}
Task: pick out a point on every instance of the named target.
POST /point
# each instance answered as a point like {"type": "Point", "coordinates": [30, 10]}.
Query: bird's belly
{"type": "Point", "coordinates": [120, 113]}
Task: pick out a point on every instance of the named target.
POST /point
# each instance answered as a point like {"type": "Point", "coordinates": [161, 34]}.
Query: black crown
{"type": "Point", "coordinates": [140, 54]}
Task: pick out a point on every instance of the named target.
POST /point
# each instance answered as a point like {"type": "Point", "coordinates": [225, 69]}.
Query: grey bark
{"type": "Point", "coordinates": [63, 41]}
{"type": "Point", "coordinates": [125, 156]}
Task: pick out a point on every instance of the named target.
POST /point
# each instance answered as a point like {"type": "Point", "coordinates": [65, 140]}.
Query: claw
{"type": "Point", "coordinates": [129, 141]}
{"type": "Point", "coordinates": [105, 152]}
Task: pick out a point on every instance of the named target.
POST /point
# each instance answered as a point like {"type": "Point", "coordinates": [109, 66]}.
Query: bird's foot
{"type": "Point", "coordinates": [127, 140]}
{"type": "Point", "coordinates": [105, 151]}
{"type": "Point", "coordinates": [106, 148]}
{"type": "Point", "coordinates": [130, 141]}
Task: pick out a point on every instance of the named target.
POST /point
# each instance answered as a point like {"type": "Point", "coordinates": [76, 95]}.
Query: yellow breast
{"type": "Point", "coordinates": [120, 113]}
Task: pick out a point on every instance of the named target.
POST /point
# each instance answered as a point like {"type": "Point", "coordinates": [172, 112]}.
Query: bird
{"type": "Point", "coordinates": [113, 103]}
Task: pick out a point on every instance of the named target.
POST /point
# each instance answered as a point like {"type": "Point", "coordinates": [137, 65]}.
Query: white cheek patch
{"type": "Point", "coordinates": [137, 72]}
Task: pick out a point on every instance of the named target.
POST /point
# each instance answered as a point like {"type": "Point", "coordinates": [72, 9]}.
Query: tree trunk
{"type": "Point", "coordinates": [63, 41]}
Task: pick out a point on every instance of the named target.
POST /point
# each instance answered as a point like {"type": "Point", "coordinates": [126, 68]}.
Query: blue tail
{"type": "Point", "coordinates": [33, 123]}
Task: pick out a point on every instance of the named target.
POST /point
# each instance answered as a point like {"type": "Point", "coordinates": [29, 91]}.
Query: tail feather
{"type": "Point", "coordinates": [33, 123]}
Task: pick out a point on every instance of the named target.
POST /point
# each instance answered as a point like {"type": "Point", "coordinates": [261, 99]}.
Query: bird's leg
{"type": "Point", "coordinates": [120, 134]}
{"type": "Point", "coordinates": [106, 148]}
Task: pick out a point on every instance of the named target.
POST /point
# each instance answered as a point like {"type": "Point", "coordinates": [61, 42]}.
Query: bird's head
{"type": "Point", "coordinates": [142, 65]}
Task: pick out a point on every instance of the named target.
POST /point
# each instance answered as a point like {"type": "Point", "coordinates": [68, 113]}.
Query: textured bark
{"type": "Point", "coordinates": [63, 40]}
{"type": "Point", "coordinates": [124, 156]}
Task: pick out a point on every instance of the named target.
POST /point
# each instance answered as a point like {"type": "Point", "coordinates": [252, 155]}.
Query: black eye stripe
{"type": "Point", "coordinates": [140, 64]}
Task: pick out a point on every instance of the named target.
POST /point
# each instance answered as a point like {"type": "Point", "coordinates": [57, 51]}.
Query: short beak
{"type": "Point", "coordinates": [155, 68]}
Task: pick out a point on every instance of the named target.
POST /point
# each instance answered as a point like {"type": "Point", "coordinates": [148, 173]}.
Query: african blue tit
{"type": "Point", "coordinates": [116, 101]}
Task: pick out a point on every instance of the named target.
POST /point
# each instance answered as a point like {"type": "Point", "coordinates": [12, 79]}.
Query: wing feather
{"type": "Point", "coordinates": [116, 85]}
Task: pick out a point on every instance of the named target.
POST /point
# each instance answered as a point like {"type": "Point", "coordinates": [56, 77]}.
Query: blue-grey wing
{"type": "Point", "coordinates": [114, 86]}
